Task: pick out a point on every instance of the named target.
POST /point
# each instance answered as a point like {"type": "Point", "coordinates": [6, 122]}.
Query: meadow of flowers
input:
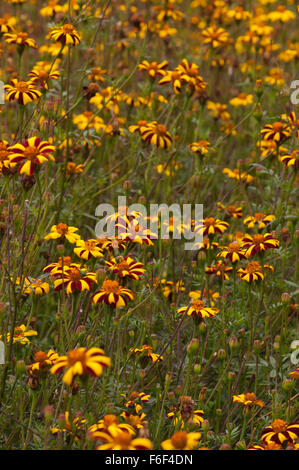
{"type": "Point", "coordinates": [132, 342]}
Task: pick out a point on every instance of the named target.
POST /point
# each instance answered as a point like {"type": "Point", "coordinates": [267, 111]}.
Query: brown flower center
{"type": "Point", "coordinates": [74, 274]}
{"type": "Point", "coordinates": [179, 440]}
{"type": "Point", "coordinates": [210, 221]}
{"type": "Point", "coordinates": [68, 28]}
{"type": "Point", "coordinates": [259, 216]}
{"type": "Point", "coordinates": [62, 228]}
{"type": "Point", "coordinates": [234, 247]}
{"type": "Point", "coordinates": [22, 87]}
{"type": "Point", "coordinates": [123, 439]}
{"type": "Point", "coordinates": [111, 286]}
{"type": "Point", "coordinates": [253, 267]}
{"type": "Point", "coordinates": [258, 238]}
{"type": "Point", "coordinates": [277, 126]}
{"type": "Point", "coordinates": [197, 304]}
{"type": "Point", "coordinates": [279, 425]}
{"type": "Point", "coordinates": [30, 153]}
{"type": "Point", "coordinates": [40, 356]}
{"type": "Point", "coordinates": [75, 356]}
{"type": "Point", "coordinates": [110, 419]}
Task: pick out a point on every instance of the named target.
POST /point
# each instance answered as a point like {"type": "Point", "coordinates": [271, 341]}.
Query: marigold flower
{"type": "Point", "coordinates": [88, 249]}
{"type": "Point", "coordinates": [241, 100]}
{"type": "Point", "coordinates": [147, 352]}
{"type": "Point", "coordinates": [111, 293]}
{"type": "Point", "coordinates": [81, 362]}
{"type": "Point", "coordinates": [63, 231]}
{"type": "Point", "coordinates": [209, 296]}
{"type": "Point", "coordinates": [211, 226]}
{"type": "Point", "coordinates": [294, 374]}
{"type": "Point", "coordinates": [31, 153]}
{"type": "Point", "coordinates": [66, 34]}
{"type": "Point", "coordinates": [238, 175]}
{"type": "Point", "coordinates": [182, 440]}
{"type": "Point", "coordinates": [175, 78]}
{"type": "Point", "coordinates": [259, 242]}
{"type": "Point", "coordinates": [231, 210]}
{"type": "Point", "coordinates": [5, 163]}
{"type": "Point", "coordinates": [72, 428]}
{"type": "Point", "coordinates": [198, 310]}
{"type": "Point", "coordinates": [215, 36]}
{"type": "Point", "coordinates": [260, 219]}
{"type": "Point", "coordinates": [202, 147]}
{"type": "Point", "coordinates": [20, 335]}
{"type": "Point", "coordinates": [118, 439]}
{"type": "Point", "coordinates": [278, 131]}
{"type": "Point", "coordinates": [104, 424]}
{"type": "Point", "coordinates": [126, 266]}
{"type": "Point", "coordinates": [22, 92]}
{"type": "Point", "coordinates": [219, 269]}
{"type": "Point", "coordinates": [248, 400]}
{"type": "Point", "coordinates": [279, 431]}
{"type": "Point", "coordinates": [43, 72]}
{"type": "Point", "coordinates": [63, 262]}
{"type": "Point", "coordinates": [291, 159]}
{"type": "Point", "coordinates": [156, 134]}
{"type": "Point", "coordinates": [5, 26]}
{"type": "Point", "coordinates": [153, 69]}
{"type": "Point", "coordinates": [234, 252]}
{"type": "Point", "coordinates": [73, 279]}
{"type": "Point", "coordinates": [137, 421]}
{"type": "Point", "coordinates": [42, 361]}
{"type": "Point", "coordinates": [266, 446]}
{"type": "Point", "coordinates": [21, 39]}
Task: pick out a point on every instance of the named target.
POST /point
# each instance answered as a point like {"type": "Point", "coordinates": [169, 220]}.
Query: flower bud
{"type": "Point", "coordinates": [193, 347]}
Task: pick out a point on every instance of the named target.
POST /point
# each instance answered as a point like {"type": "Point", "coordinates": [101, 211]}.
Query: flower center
{"type": "Point", "coordinates": [66, 260]}
{"type": "Point", "coordinates": [76, 355]}
{"type": "Point", "coordinates": [124, 439]}
{"type": "Point", "coordinates": [3, 155]}
{"type": "Point", "coordinates": [90, 245]}
{"type": "Point", "coordinates": [210, 221]}
{"type": "Point", "coordinates": [279, 425]}
{"type": "Point", "coordinates": [234, 247]}
{"type": "Point", "coordinates": [22, 36]}
{"type": "Point", "coordinates": [253, 267]}
{"type": "Point", "coordinates": [68, 28]}
{"type": "Point", "coordinates": [22, 86]}
{"type": "Point", "coordinates": [197, 304]}
{"type": "Point", "coordinates": [179, 440]}
{"type": "Point", "coordinates": [258, 238]}
{"type": "Point", "coordinates": [250, 397]}
{"type": "Point", "coordinates": [259, 216]}
{"type": "Point", "coordinates": [277, 126]}
{"type": "Point", "coordinates": [74, 274]}
{"type": "Point", "coordinates": [62, 228]}
{"type": "Point", "coordinates": [40, 356]}
{"type": "Point", "coordinates": [161, 130]}
{"type": "Point", "coordinates": [110, 286]}
{"type": "Point", "coordinates": [30, 153]}
{"type": "Point", "coordinates": [109, 420]}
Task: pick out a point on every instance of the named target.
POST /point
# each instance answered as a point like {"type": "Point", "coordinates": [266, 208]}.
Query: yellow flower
{"type": "Point", "coordinates": [182, 440]}
{"type": "Point", "coordinates": [83, 362]}
{"type": "Point", "coordinates": [20, 335]}
{"type": "Point", "coordinates": [248, 400]}
{"type": "Point", "coordinates": [62, 230]}
{"type": "Point", "coordinates": [66, 34]}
